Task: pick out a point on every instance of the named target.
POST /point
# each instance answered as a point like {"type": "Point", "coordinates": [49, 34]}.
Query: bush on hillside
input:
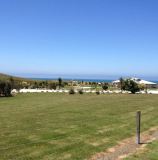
{"type": "Point", "coordinates": [106, 83]}
{"type": "Point", "coordinates": [71, 91]}
{"type": "Point", "coordinates": [62, 85]}
{"type": "Point", "coordinates": [105, 87]}
{"type": "Point", "coordinates": [52, 85]}
{"type": "Point", "coordinates": [65, 83]}
{"type": "Point", "coordinates": [94, 85]}
{"type": "Point", "coordinates": [97, 92]}
{"type": "Point", "coordinates": [80, 91]}
{"type": "Point", "coordinates": [18, 86]}
{"type": "Point", "coordinates": [142, 86]}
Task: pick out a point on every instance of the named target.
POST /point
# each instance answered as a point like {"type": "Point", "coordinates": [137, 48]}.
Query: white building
{"type": "Point", "coordinates": [138, 81]}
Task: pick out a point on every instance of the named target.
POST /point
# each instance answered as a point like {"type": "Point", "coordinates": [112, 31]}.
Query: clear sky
{"type": "Point", "coordinates": [79, 38]}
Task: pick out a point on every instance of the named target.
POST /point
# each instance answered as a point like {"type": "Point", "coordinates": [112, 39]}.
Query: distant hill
{"type": "Point", "coordinates": [16, 78]}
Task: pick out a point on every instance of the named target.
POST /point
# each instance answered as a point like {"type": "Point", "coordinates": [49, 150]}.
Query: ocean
{"type": "Point", "coordinates": [85, 80]}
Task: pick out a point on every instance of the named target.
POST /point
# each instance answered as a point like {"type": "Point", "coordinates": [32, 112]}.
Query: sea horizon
{"type": "Point", "coordinates": [76, 79]}
{"type": "Point", "coordinates": [82, 79]}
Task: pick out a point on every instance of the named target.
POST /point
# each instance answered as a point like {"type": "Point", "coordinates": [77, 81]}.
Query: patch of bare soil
{"type": "Point", "coordinates": [128, 146]}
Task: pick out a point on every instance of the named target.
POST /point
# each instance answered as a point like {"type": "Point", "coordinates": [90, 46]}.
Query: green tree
{"type": "Point", "coordinates": [106, 83]}
{"type": "Point", "coordinates": [142, 86]}
{"type": "Point", "coordinates": [35, 83]}
{"type": "Point", "coordinates": [71, 91]}
{"type": "Point", "coordinates": [62, 85]}
{"type": "Point", "coordinates": [52, 85]}
{"type": "Point", "coordinates": [17, 86]}
{"type": "Point", "coordinates": [12, 82]}
{"type": "Point", "coordinates": [43, 83]}
{"type": "Point", "coordinates": [105, 87]}
{"type": "Point", "coordinates": [94, 84]}
{"type": "Point", "coordinates": [46, 84]}
{"type": "Point", "coordinates": [7, 88]}
{"type": "Point", "coordinates": [65, 83]}
{"type": "Point", "coordinates": [131, 85]}
{"type": "Point", "coordinates": [60, 81]}
{"type": "Point", "coordinates": [122, 83]}
{"type": "Point", "coordinates": [2, 86]}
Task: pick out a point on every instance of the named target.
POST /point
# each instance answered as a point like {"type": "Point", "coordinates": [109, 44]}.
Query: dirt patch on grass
{"type": "Point", "coordinates": [95, 144]}
{"type": "Point", "coordinates": [34, 138]}
{"type": "Point", "coordinates": [128, 146]}
{"type": "Point", "coordinates": [105, 140]}
{"type": "Point", "coordinates": [60, 131]}
{"type": "Point", "coordinates": [66, 156]}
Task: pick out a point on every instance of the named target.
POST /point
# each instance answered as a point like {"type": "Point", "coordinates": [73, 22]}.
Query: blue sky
{"type": "Point", "coordinates": [79, 38]}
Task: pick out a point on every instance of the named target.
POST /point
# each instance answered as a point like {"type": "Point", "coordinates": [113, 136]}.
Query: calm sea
{"type": "Point", "coordinates": [85, 80]}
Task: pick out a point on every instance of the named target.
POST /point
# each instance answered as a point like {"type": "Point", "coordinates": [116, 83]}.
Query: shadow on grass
{"type": "Point", "coordinates": [3, 96]}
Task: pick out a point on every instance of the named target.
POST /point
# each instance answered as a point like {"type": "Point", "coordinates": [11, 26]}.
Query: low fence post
{"type": "Point", "coordinates": [138, 127]}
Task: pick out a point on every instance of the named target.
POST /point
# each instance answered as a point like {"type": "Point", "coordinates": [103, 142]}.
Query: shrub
{"type": "Point", "coordinates": [52, 85]}
{"type": "Point", "coordinates": [34, 87]}
{"type": "Point", "coordinates": [80, 91]}
{"type": "Point", "coordinates": [5, 87]}
{"type": "Point", "coordinates": [143, 86]}
{"type": "Point", "coordinates": [94, 85]}
{"type": "Point", "coordinates": [106, 83]}
{"type": "Point", "coordinates": [62, 85]}
{"type": "Point", "coordinates": [97, 92]}
{"type": "Point", "coordinates": [105, 87]}
{"type": "Point", "coordinates": [71, 91]}
{"type": "Point", "coordinates": [60, 81]}
{"type": "Point", "coordinates": [122, 83]}
{"type": "Point", "coordinates": [17, 86]}
{"type": "Point", "coordinates": [132, 86]}
{"type": "Point", "coordinates": [65, 83]}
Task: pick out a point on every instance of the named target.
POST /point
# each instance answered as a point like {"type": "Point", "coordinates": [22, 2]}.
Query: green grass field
{"type": "Point", "coordinates": [150, 152]}
{"type": "Point", "coordinates": [62, 126]}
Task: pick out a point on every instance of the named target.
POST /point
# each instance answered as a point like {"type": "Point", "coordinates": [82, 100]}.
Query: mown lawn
{"type": "Point", "coordinates": [62, 126]}
{"type": "Point", "coordinates": [150, 152]}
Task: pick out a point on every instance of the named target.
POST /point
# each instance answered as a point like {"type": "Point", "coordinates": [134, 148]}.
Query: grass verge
{"type": "Point", "coordinates": [62, 126]}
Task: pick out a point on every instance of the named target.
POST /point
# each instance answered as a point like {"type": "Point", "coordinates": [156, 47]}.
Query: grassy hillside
{"type": "Point", "coordinates": [16, 78]}
{"type": "Point", "coordinates": [62, 126]}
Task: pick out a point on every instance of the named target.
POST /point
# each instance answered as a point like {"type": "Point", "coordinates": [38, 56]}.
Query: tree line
{"type": "Point", "coordinates": [49, 84]}
{"type": "Point", "coordinates": [8, 84]}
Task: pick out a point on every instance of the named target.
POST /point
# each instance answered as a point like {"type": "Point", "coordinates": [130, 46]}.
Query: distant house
{"type": "Point", "coordinates": [138, 81]}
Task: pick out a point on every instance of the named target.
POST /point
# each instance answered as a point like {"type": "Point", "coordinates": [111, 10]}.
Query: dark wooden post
{"type": "Point", "coordinates": [138, 127]}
